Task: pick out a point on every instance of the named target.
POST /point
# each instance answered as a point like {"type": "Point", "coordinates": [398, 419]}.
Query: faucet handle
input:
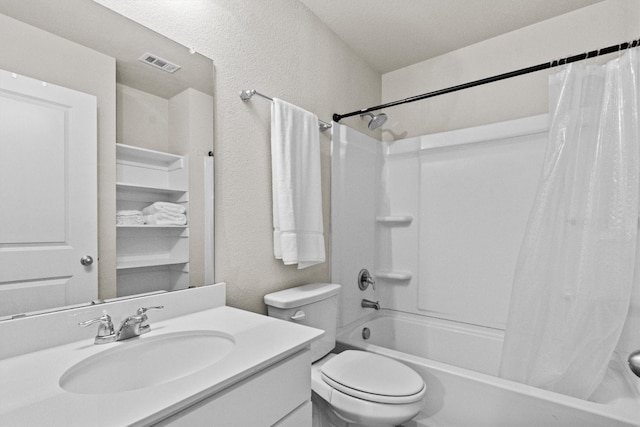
{"type": "Point", "coordinates": [365, 279]}
{"type": "Point", "coordinates": [105, 330]}
{"type": "Point", "coordinates": [143, 310]}
{"type": "Point", "coordinates": [144, 325]}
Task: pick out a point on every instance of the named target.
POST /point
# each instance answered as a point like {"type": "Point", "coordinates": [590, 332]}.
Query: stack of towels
{"type": "Point", "coordinates": [129, 217]}
{"type": "Point", "coordinates": [164, 213]}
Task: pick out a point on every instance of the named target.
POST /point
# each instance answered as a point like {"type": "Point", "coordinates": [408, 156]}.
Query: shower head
{"type": "Point", "coordinates": [377, 120]}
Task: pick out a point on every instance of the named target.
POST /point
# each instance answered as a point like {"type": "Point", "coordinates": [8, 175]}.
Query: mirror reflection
{"type": "Point", "coordinates": [106, 137]}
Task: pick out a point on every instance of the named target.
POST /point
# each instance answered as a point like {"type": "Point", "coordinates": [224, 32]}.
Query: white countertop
{"type": "Point", "coordinates": [30, 394]}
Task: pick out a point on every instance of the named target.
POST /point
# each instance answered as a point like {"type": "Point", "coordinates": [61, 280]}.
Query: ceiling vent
{"type": "Point", "coordinates": [158, 62]}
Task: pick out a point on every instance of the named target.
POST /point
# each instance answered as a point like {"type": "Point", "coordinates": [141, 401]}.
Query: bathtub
{"type": "Point", "coordinates": [459, 364]}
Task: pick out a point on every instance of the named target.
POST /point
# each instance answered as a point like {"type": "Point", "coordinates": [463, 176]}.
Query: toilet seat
{"type": "Point", "coordinates": [372, 377]}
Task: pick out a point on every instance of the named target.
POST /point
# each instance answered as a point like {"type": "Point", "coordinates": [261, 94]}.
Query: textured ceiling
{"type": "Point", "coordinates": [393, 34]}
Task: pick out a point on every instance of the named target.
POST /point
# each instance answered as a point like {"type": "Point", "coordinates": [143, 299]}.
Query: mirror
{"type": "Point", "coordinates": [86, 47]}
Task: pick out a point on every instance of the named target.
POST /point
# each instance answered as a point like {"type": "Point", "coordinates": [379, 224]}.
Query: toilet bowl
{"type": "Point", "coordinates": [367, 389]}
{"type": "Point", "coordinates": [359, 388]}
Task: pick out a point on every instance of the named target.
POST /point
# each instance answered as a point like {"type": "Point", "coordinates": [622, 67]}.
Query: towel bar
{"type": "Point", "coordinates": [246, 95]}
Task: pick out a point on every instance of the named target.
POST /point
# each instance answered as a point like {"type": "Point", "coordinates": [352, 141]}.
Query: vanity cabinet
{"type": "Point", "coordinates": [276, 396]}
{"type": "Point", "coordinates": [151, 257]}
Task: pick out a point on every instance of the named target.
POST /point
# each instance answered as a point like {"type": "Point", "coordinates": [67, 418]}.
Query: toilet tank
{"type": "Point", "coordinates": [314, 305]}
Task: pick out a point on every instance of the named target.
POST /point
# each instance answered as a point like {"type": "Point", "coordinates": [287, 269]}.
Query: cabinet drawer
{"type": "Point", "coordinates": [260, 400]}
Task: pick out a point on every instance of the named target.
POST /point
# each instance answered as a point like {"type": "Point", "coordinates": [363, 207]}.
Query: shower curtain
{"type": "Point", "coordinates": [573, 280]}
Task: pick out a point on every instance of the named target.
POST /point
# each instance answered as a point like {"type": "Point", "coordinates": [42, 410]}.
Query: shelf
{"type": "Point", "coordinates": [148, 158]}
{"type": "Point", "coordinates": [149, 262]}
{"type": "Point", "coordinates": [393, 275]}
{"type": "Point", "coordinates": [151, 257]}
{"type": "Point", "coordinates": [394, 220]}
{"type": "Point", "coordinates": [150, 170]}
{"type": "Point", "coordinates": [151, 226]}
{"type": "Point", "coordinates": [140, 239]}
{"type": "Point", "coordinates": [123, 186]}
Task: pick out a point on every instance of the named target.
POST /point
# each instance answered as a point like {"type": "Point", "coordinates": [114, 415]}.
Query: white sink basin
{"type": "Point", "coordinates": [147, 361]}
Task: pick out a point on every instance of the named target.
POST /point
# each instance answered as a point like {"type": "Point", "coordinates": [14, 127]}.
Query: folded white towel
{"type": "Point", "coordinates": [129, 217]}
{"type": "Point", "coordinates": [165, 219]}
{"type": "Point", "coordinates": [163, 207]}
{"type": "Point", "coordinates": [124, 213]}
{"type": "Point", "coordinates": [296, 181]}
{"type": "Point", "coordinates": [167, 216]}
{"type": "Point", "coordinates": [130, 220]}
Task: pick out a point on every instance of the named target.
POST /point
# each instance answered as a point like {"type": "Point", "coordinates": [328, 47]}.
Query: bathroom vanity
{"type": "Point", "coordinates": [202, 363]}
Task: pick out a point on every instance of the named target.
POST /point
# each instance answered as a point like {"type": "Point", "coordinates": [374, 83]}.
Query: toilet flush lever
{"type": "Point", "coordinates": [298, 315]}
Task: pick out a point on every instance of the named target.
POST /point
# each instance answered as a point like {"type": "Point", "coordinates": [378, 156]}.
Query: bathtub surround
{"type": "Point", "coordinates": [574, 276]}
{"type": "Point", "coordinates": [355, 183]}
{"type": "Point", "coordinates": [453, 259]}
{"type": "Point", "coordinates": [450, 261]}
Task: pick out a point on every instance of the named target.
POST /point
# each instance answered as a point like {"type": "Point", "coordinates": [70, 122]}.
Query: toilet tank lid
{"type": "Point", "coordinates": [301, 295]}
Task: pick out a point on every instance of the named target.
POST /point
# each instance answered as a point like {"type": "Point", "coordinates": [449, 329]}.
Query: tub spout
{"type": "Point", "coordinates": [634, 362]}
{"type": "Point", "coordinates": [370, 304]}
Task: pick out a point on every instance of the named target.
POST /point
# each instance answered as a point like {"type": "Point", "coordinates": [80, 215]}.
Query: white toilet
{"type": "Point", "coordinates": [360, 388]}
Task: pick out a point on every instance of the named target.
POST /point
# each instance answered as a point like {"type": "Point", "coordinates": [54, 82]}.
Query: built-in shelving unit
{"type": "Point", "coordinates": [389, 221]}
{"type": "Point", "coordinates": [151, 257]}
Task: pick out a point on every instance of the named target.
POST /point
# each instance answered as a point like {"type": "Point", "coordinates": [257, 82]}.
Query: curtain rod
{"type": "Point", "coordinates": [246, 95]}
{"type": "Point", "coordinates": [539, 67]}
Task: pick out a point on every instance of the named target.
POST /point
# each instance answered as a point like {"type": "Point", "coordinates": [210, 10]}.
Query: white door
{"type": "Point", "coordinates": [48, 195]}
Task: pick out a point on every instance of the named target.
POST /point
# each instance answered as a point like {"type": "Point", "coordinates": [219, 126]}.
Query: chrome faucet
{"type": "Point", "coordinates": [370, 304]}
{"type": "Point", "coordinates": [130, 327]}
{"type": "Point", "coordinates": [634, 362]}
{"type": "Point", "coordinates": [135, 325]}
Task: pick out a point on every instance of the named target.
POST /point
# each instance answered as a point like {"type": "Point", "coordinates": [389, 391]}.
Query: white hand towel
{"type": "Point", "coordinates": [296, 181]}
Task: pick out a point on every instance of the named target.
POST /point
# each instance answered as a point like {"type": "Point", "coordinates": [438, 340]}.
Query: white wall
{"type": "Point", "coordinates": [142, 119]}
{"type": "Point", "coordinates": [281, 49]}
{"type": "Point", "coordinates": [603, 24]}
